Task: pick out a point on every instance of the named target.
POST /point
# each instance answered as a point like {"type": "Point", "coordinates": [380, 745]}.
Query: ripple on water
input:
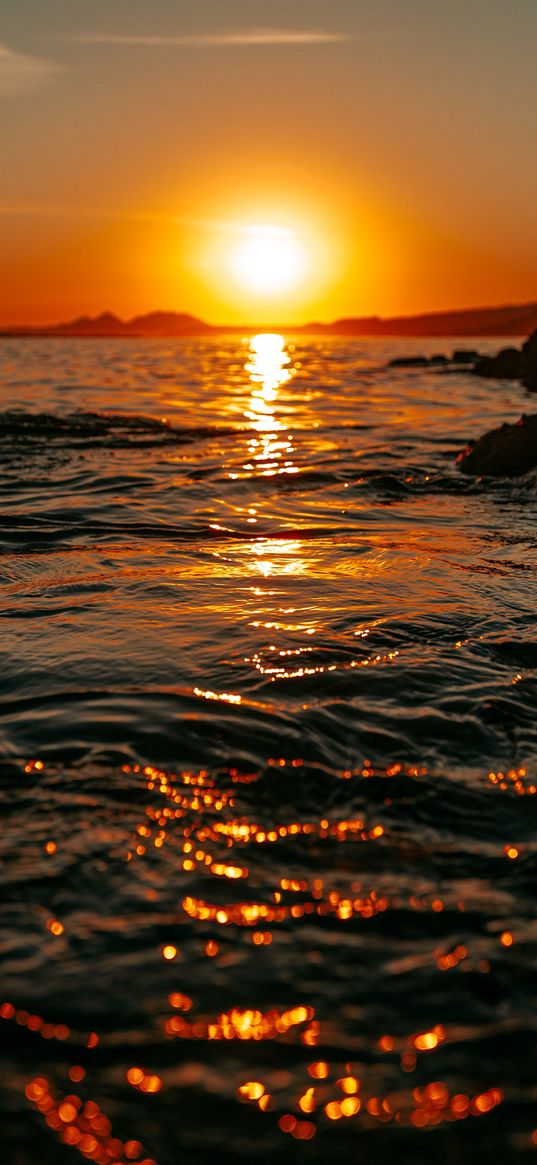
{"type": "Point", "coordinates": [271, 879]}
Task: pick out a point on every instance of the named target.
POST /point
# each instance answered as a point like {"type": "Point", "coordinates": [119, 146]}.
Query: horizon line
{"type": "Point", "coordinates": [126, 321]}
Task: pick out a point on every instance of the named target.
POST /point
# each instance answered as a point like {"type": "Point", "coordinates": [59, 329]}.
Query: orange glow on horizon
{"type": "Point", "coordinates": [346, 138]}
{"type": "Point", "coordinates": [308, 260]}
{"type": "Point", "coordinates": [274, 260]}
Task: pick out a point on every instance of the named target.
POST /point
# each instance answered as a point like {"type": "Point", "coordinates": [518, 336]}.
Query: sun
{"type": "Point", "coordinates": [268, 261]}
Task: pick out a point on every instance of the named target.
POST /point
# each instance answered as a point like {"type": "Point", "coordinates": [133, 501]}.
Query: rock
{"type": "Point", "coordinates": [529, 380]}
{"type": "Point", "coordinates": [465, 356]}
{"type": "Point", "coordinates": [508, 451]}
{"type": "Point", "coordinates": [529, 347]}
{"type": "Point", "coordinates": [409, 362]}
{"type": "Point", "coordinates": [529, 352]}
{"type": "Point", "coordinates": [508, 364]}
{"type": "Point", "coordinates": [512, 364]}
{"type": "Point", "coordinates": [462, 356]}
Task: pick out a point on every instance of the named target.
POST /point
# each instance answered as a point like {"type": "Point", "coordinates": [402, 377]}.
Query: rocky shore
{"type": "Point", "coordinates": [465, 358]}
{"type": "Point", "coordinates": [508, 364]}
{"type": "Point", "coordinates": [509, 451]}
{"type": "Point", "coordinates": [512, 364]}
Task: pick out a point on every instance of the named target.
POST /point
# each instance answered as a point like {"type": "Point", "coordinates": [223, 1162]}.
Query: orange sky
{"type": "Point", "coordinates": [394, 139]}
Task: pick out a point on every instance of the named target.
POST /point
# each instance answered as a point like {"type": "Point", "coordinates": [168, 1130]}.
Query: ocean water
{"type": "Point", "coordinates": [268, 737]}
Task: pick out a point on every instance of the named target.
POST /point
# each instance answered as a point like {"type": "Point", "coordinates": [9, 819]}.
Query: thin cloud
{"type": "Point", "coordinates": [56, 210]}
{"type": "Point", "coordinates": [62, 211]}
{"type": "Point", "coordinates": [20, 73]}
{"type": "Point", "coordinates": [247, 38]}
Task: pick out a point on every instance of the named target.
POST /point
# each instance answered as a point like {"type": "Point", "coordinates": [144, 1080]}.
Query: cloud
{"type": "Point", "coordinates": [247, 38]}
{"type": "Point", "coordinates": [63, 211]}
{"type": "Point", "coordinates": [20, 73]}
{"type": "Point", "coordinates": [194, 222]}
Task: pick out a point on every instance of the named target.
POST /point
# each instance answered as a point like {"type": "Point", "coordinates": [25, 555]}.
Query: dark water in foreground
{"type": "Point", "coordinates": [268, 737]}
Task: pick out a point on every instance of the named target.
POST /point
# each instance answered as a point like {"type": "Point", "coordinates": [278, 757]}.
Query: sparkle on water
{"type": "Point", "coordinates": [257, 556]}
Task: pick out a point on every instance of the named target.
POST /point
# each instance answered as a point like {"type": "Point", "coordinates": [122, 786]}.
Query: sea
{"type": "Point", "coordinates": [268, 757]}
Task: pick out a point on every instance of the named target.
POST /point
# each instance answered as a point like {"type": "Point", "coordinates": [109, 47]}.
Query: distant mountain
{"type": "Point", "coordinates": [167, 323]}
{"type": "Point", "coordinates": [106, 324]}
{"type": "Point", "coordinates": [156, 323]}
{"type": "Point", "coordinates": [511, 320]}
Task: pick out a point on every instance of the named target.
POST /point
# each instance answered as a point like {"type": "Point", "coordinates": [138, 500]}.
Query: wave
{"type": "Point", "coordinates": [97, 430]}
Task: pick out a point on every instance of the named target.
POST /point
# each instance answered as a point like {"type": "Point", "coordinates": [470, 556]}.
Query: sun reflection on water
{"type": "Point", "coordinates": [268, 367]}
{"type": "Point", "coordinates": [278, 556]}
{"type": "Point", "coordinates": [270, 447]}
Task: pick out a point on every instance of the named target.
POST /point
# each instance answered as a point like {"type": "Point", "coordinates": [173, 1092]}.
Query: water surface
{"type": "Point", "coordinates": [268, 738]}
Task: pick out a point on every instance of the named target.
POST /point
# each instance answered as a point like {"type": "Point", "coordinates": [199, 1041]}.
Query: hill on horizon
{"type": "Point", "coordinates": [507, 320]}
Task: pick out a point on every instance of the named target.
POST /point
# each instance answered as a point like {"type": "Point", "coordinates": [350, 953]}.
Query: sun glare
{"type": "Point", "coordinates": [269, 260]}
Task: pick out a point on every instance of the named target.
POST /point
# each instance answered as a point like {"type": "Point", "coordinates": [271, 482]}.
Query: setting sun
{"type": "Point", "coordinates": [268, 260]}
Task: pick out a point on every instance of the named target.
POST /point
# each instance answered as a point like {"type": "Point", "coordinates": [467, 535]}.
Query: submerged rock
{"type": "Point", "coordinates": [508, 451]}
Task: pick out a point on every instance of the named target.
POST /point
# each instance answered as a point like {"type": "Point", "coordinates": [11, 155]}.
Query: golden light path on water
{"type": "Point", "coordinates": [271, 449]}
{"type": "Point", "coordinates": [291, 943]}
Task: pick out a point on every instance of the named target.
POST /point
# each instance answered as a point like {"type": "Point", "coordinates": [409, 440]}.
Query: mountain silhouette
{"type": "Point", "coordinates": [509, 320]}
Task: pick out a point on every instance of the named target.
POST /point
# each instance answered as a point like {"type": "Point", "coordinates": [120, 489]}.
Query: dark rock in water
{"type": "Point", "coordinates": [529, 352]}
{"type": "Point", "coordinates": [512, 364]}
{"type": "Point", "coordinates": [508, 451]}
{"type": "Point", "coordinates": [529, 347]}
{"type": "Point", "coordinates": [462, 356]}
{"type": "Point", "coordinates": [508, 364]}
{"type": "Point", "coordinates": [409, 362]}
{"type": "Point", "coordinates": [529, 380]}
{"type": "Point", "coordinates": [465, 356]}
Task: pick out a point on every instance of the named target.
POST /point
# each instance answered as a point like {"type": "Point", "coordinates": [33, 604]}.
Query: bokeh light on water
{"type": "Point", "coordinates": [268, 780]}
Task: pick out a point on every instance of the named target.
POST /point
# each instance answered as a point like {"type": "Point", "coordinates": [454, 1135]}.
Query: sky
{"type": "Point", "coordinates": [142, 140]}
